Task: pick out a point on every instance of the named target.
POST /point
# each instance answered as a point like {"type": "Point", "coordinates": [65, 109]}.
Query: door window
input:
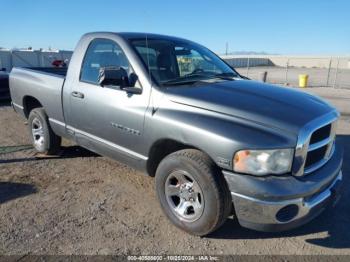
{"type": "Point", "coordinates": [102, 53]}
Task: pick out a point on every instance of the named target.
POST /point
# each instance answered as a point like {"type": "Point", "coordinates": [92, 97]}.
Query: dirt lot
{"type": "Point", "coordinates": [81, 203]}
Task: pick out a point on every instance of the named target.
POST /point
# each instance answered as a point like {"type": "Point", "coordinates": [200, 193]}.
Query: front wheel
{"type": "Point", "coordinates": [192, 192]}
{"type": "Point", "coordinates": [43, 138]}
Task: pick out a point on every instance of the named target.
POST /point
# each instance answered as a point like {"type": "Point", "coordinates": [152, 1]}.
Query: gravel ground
{"type": "Point", "coordinates": [81, 203]}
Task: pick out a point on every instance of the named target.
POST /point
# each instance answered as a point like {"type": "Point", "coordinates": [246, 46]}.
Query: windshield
{"type": "Point", "coordinates": [174, 62]}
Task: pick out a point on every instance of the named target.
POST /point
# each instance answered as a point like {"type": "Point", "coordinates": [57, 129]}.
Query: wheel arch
{"type": "Point", "coordinates": [162, 148]}
{"type": "Point", "coordinates": [29, 103]}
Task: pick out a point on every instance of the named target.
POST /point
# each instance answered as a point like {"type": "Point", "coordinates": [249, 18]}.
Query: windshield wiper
{"type": "Point", "coordinates": [185, 81]}
{"type": "Point", "coordinates": [176, 82]}
{"type": "Point", "coordinates": [225, 76]}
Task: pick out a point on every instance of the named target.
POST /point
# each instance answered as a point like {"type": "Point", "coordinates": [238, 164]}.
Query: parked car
{"type": "Point", "coordinates": [4, 87]}
{"type": "Point", "coordinates": [217, 144]}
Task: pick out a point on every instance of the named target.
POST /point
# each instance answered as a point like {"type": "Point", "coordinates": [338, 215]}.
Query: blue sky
{"type": "Point", "coordinates": [283, 27]}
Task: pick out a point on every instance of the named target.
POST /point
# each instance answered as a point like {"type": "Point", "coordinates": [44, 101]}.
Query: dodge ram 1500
{"type": "Point", "coordinates": [217, 143]}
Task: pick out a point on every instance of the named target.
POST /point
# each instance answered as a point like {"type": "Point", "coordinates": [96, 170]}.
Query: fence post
{"type": "Point", "coordinates": [329, 71]}
{"type": "Point", "coordinates": [336, 74]}
{"type": "Point", "coordinates": [248, 66]}
{"type": "Point", "coordinates": [287, 66]}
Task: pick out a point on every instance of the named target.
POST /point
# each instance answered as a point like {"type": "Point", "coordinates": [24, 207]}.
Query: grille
{"type": "Point", "coordinates": [320, 147]}
{"type": "Point", "coordinates": [315, 144]}
{"type": "Point", "coordinates": [315, 156]}
{"type": "Point", "coordinates": [321, 134]}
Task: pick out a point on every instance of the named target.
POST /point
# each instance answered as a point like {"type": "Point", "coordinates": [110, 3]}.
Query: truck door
{"type": "Point", "coordinates": [106, 119]}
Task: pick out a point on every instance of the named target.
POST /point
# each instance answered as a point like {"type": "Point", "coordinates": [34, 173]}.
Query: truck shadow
{"type": "Point", "coordinates": [76, 151]}
{"type": "Point", "coordinates": [10, 191]}
{"type": "Point", "coordinates": [65, 153]}
{"type": "Point", "coordinates": [334, 221]}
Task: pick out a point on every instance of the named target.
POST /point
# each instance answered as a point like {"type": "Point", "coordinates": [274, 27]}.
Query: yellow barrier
{"type": "Point", "coordinates": [303, 79]}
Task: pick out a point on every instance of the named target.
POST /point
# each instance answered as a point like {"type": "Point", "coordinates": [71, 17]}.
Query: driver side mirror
{"type": "Point", "coordinates": [118, 77]}
{"type": "Point", "coordinates": [115, 76]}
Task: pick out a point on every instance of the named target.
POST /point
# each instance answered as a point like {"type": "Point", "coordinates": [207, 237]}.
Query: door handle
{"type": "Point", "coordinates": [78, 94]}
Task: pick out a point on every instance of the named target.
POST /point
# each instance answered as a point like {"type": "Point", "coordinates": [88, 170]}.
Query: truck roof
{"type": "Point", "coordinates": [137, 35]}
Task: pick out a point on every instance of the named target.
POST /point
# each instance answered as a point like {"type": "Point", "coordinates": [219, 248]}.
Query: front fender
{"type": "Point", "coordinates": [216, 134]}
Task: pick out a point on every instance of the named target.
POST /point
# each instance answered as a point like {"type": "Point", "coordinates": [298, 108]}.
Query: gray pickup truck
{"type": "Point", "coordinates": [217, 143]}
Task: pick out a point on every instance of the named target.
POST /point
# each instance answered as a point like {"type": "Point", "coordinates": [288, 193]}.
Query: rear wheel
{"type": "Point", "coordinates": [192, 192]}
{"type": "Point", "coordinates": [43, 138]}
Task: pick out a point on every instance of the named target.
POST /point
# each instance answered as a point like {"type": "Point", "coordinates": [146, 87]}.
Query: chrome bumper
{"type": "Point", "coordinates": [273, 215]}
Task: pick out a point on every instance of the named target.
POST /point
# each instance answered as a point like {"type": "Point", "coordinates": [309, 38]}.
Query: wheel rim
{"type": "Point", "coordinates": [184, 196]}
{"type": "Point", "coordinates": [37, 133]}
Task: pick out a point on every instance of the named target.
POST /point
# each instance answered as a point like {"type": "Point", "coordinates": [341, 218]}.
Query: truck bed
{"type": "Point", "coordinates": [45, 85]}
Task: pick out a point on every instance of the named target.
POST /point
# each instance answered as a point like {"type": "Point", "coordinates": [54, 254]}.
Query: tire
{"type": "Point", "coordinates": [208, 198]}
{"type": "Point", "coordinates": [43, 138]}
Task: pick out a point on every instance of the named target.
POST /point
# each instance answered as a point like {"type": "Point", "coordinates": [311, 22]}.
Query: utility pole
{"type": "Point", "coordinates": [226, 48]}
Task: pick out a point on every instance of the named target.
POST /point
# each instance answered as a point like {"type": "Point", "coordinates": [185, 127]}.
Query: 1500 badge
{"type": "Point", "coordinates": [126, 129]}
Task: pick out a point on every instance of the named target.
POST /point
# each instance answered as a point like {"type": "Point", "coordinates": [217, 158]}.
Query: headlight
{"type": "Point", "coordinates": [263, 162]}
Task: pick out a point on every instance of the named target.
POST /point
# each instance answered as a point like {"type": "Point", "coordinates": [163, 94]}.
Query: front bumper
{"type": "Point", "coordinates": [282, 203]}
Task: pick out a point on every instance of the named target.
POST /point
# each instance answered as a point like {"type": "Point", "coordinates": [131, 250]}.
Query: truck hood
{"type": "Point", "coordinates": [272, 106]}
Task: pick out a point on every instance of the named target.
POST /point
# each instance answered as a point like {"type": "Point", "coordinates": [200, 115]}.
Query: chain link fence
{"type": "Point", "coordinates": [322, 72]}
